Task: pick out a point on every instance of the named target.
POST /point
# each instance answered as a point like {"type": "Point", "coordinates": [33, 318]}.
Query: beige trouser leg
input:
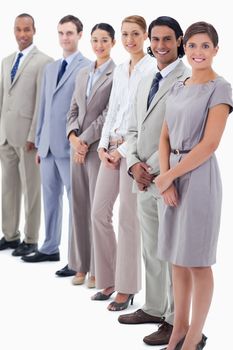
{"type": "Point", "coordinates": [117, 260]}
{"type": "Point", "coordinates": [20, 175]}
{"type": "Point", "coordinates": [158, 293]}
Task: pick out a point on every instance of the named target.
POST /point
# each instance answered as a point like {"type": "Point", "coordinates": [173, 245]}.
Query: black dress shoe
{"type": "Point", "coordinates": [9, 244]}
{"type": "Point", "coordinates": [24, 249]}
{"type": "Point", "coordinates": [65, 272]}
{"type": "Point", "coordinates": [39, 257]}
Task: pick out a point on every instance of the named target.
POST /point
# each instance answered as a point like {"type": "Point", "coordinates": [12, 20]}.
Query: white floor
{"type": "Point", "coordinates": [41, 311]}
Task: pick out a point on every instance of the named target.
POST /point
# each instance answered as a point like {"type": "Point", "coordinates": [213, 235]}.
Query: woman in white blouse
{"type": "Point", "coordinates": [117, 261]}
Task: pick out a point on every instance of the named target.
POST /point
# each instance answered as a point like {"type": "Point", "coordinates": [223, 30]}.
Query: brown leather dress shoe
{"type": "Point", "coordinates": [139, 317]}
{"type": "Point", "coordinates": [161, 336]}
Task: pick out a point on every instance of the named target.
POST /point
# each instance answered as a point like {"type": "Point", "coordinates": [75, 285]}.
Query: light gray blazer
{"type": "Point", "coordinates": [87, 116]}
{"type": "Point", "coordinates": [145, 125]}
{"type": "Point", "coordinates": [54, 106]}
{"type": "Point", "coordinates": [19, 100]}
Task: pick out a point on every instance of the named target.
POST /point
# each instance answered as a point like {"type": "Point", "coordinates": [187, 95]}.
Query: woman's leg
{"type": "Point", "coordinates": [182, 290]}
{"type": "Point", "coordinates": [202, 280]}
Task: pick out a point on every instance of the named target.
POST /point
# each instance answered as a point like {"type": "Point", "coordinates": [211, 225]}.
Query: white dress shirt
{"type": "Point", "coordinates": [25, 52]}
{"type": "Point", "coordinates": [121, 100]}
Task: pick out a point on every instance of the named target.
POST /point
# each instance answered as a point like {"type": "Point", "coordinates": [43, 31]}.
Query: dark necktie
{"type": "Point", "coordinates": [15, 66]}
{"type": "Point", "coordinates": [62, 70]}
{"type": "Point", "coordinates": [154, 88]}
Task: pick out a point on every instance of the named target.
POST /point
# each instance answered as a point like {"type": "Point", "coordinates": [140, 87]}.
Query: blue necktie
{"type": "Point", "coordinates": [62, 70]}
{"type": "Point", "coordinates": [15, 66]}
{"type": "Point", "coordinates": [154, 88]}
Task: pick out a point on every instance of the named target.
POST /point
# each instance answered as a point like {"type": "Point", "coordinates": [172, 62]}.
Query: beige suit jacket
{"type": "Point", "coordinates": [145, 125]}
{"type": "Point", "coordinates": [87, 116]}
{"type": "Point", "coordinates": [19, 100]}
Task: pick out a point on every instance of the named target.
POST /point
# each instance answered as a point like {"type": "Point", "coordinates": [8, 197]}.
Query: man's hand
{"type": "Point", "coordinates": [29, 146]}
{"type": "Point", "coordinates": [37, 159]}
{"type": "Point", "coordinates": [141, 175]}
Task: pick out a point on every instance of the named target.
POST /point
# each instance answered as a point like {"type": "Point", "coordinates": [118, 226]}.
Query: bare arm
{"type": "Point", "coordinates": [214, 128]}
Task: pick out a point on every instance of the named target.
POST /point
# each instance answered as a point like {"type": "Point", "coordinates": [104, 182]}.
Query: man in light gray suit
{"type": "Point", "coordinates": [19, 95]}
{"type": "Point", "coordinates": [53, 146]}
{"type": "Point", "coordinates": [143, 164]}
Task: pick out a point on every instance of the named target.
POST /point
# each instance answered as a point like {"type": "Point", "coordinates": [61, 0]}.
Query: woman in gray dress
{"type": "Point", "coordinates": [190, 184]}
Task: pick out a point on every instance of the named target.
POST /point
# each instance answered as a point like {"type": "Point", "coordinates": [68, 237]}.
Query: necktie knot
{"type": "Point", "coordinates": [154, 87]}
{"type": "Point", "coordinates": [15, 66]}
{"type": "Point", "coordinates": [62, 70]}
{"type": "Point", "coordinates": [158, 77]}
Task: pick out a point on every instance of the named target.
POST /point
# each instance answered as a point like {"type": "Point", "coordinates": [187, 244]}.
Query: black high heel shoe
{"type": "Point", "coordinates": [101, 296]}
{"type": "Point", "coordinates": [121, 306]}
{"type": "Point", "coordinates": [202, 343]}
{"type": "Point", "coordinates": [178, 345]}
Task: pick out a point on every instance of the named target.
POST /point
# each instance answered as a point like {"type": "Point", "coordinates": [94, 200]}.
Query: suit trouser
{"type": "Point", "coordinates": [117, 263]}
{"type": "Point", "coordinates": [55, 174]}
{"type": "Point", "coordinates": [83, 181]}
{"type": "Point", "coordinates": [20, 175]}
{"type": "Point", "coordinates": [158, 293]}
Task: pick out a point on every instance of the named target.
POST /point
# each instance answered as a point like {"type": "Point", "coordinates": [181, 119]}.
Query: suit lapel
{"type": "Point", "coordinates": [100, 81]}
{"type": "Point", "coordinates": [26, 61]}
{"type": "Point", "coordinates": [71, 67]}
{"type": "Point", "coordinates": [170, 79]}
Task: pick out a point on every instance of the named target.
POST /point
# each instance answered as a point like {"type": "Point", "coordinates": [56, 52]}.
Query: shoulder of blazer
{"type": "Point", "coordinates": [180, 69]}
{"type": "Point", "coordinates": [110, 68]}
{"type": "Point", "coordinates": [35, 52]}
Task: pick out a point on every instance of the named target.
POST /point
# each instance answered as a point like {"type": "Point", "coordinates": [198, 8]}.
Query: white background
{"type": "Point", "coordinates": [39, 311]}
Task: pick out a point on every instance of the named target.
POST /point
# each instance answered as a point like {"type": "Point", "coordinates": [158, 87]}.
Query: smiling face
{"type": "Point", "coordinates": [200, 51]}
{"type": "Point", "coordinates": [24, 31]}
{"type": "Point", "coordinates": [133, 37]}
{"type": "Point", "coordinates": [102, 44]}
{"type": "Point", "coordinates": [68, 37]}
{"type": "Point", "coordinates": [164, 45]}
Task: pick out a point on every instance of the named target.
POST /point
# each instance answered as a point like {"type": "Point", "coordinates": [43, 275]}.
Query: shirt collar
{"type": "Point", "coordinates": [27, 50]}
{"type": "Point", "coordinates": [101, 68]}
{"type": "Point", "coordinates": [140, 65]}
{"type": "Point", "coordinates": [70, 58]}
{"type": "Point", "coordinates": [165, 71]}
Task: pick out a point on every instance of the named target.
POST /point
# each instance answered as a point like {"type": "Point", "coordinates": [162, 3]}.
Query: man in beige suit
{"type": "Point", "coordinates": [143, 164]}
{"type": "Point", "coordinates": [19, 95]}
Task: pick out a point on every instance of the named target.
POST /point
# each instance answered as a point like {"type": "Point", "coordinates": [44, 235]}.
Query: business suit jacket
{"type": "Point", "coordinates": [87, 117]}
{"type": "Point", "coordinates": [19, 100]}
{"type": "Point", "coordinates": [54, 106]}
{"type": "Point", "coordinates": [143, 142]}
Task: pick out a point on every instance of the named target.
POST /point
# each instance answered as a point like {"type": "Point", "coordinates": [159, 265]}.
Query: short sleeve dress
{"type": "Point", "coordinates": [188, 234]}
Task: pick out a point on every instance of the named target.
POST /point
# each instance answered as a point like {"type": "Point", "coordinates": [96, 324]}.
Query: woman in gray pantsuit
{"type": "Point", "coordinates": [86, 117]}
{"type": "Point", "coordinates": [190, 184]}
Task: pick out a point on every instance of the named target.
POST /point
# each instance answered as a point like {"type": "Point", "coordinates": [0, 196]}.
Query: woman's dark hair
{"type": "Point", "coordinates": [105, 26]}
{"type": "Point", "coordinates": [201, 28]}
{"type": "Point", "coordinates": [171, 23]}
